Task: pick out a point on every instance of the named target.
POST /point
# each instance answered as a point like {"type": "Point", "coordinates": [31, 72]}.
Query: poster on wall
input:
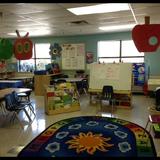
{"type": "Point", "coordinates": [139, 74]}
{"type": "Point", "coordinates": [73, 56]}
{"type": "Point", "coordinates": [89, 57]}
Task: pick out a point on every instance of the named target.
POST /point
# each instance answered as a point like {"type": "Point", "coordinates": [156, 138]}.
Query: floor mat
{"type": "Point", "coordinates": [92, 136]}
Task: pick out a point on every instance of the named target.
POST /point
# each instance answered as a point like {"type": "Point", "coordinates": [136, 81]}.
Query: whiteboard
{"type": "Point", "coordinates": [119, 75]}
{"type": "Point", "coordinates": [73, 56]}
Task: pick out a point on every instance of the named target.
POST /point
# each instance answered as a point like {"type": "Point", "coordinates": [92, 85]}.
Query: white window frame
{"type": "Point", "coordinates": [110, 59]}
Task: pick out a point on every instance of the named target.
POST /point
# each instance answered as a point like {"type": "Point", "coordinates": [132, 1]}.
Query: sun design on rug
{"type": "Point", "coordinates": [89, 142]}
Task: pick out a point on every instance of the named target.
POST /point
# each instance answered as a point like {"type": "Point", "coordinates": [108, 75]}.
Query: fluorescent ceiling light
{"type": "Point", "coordinates": [118, 27]}
{"type": "Point", "coordinates": [101, 8]}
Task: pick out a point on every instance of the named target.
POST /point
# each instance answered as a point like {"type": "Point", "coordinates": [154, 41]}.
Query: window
{"type": "Point", "coordinates": [108, 48]}
{"type": "Point", "coordinates": [119, 51]}
{"type": "Point", "coordinates": [130, 52]}
{"type": "Point", "coordinates": [42, 50]}
{"type": "Point", "coordinates": [108, 51]}
{"type": "Point", "coordinates": [39, 59]}
{"type": "Point", "coordinates": [27, 65]}
{"type": "Point", "coordinates": [42, 55]}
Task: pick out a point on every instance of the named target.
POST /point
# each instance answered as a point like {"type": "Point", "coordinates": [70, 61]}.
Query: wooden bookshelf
{"type": "Point", "coordinates": [61, 98]}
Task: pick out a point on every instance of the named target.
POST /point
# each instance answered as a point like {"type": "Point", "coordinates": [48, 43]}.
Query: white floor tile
{"type": "Point", "coordinates": [13, 138]}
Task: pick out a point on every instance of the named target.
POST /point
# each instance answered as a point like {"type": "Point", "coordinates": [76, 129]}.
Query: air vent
{"type": "Point", "coordinates": [83, 22]}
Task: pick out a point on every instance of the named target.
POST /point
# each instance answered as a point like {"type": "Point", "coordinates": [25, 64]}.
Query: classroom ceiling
{"type": "Point", "coordinates": [53, 19]}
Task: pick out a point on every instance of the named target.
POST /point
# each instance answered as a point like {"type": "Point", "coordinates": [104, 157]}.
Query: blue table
{"type": "Point", "coordinates": [11, 84]}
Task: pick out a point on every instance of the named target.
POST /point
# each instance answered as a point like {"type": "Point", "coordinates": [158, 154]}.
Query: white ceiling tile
{"type": "Point", "coordinates": [54, 17]}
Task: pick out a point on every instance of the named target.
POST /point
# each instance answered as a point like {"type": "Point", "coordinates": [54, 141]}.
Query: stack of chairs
{"type": "Point", "coordinates": [15, 105]}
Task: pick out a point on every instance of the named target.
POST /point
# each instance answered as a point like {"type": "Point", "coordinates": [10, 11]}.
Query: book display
{"type": "Point", "coordinates": [61, 98]}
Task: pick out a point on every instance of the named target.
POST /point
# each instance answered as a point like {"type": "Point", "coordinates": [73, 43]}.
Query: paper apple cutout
{"type": "Point", "coordinates": [143, 35]}
{"type": "Point", "coordinates": [6, 49]}
{"type": "Point", "coordinates": [23, 47]}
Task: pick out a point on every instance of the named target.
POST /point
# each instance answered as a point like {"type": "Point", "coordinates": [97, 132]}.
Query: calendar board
{"type": "Point", "coordinates": [73, 56]}
{"type": "Point", "coordinates": [119, 75]}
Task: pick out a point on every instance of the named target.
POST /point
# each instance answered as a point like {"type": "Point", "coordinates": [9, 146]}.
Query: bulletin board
{"type": "Point", "coordinates": [119, 75]}
{"type": "Point", "coordinates": [73, 56]}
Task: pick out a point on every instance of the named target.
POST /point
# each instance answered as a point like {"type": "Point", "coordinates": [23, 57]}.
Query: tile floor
{"type": "Point", "coordinates": [13, 138]}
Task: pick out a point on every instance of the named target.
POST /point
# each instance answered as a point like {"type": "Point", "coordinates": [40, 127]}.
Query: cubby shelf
{"type": "Point", "coordinates": [123, 98]}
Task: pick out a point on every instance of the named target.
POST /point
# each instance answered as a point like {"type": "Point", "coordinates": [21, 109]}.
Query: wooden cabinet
{"type": "Point", "coordinates": [40, 81]}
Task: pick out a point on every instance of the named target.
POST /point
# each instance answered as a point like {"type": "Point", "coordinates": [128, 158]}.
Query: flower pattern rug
{"type": "Point", "coordinates": [91, 136]}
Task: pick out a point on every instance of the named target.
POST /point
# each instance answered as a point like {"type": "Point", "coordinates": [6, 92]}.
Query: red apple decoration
{"type": "Point", "coordinates": [142, 35]}
{"type": "Point", "coordinates": [23, 47]}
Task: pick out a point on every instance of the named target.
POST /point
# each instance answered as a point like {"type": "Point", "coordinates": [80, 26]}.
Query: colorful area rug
{"type": "Point", "coordinates": [91, 136]}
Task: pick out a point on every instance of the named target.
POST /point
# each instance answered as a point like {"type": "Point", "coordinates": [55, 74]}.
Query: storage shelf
{"type": "Point", "coordinates": [123, 98]}
{"type": "Point", "coordinates": [61, 98]}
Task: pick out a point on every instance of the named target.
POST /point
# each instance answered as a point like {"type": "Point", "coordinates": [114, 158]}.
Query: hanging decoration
{"type": "Point", "coordinates": [23, 47]}
{"type": "Point", "coordinates": [55, 51]}
{"type": "Point", "coordinates": [2, 64]}
{"type": "Point", "coordinates": [146, 37]}
{"type": "Point", "coordinates": [6, 49]}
